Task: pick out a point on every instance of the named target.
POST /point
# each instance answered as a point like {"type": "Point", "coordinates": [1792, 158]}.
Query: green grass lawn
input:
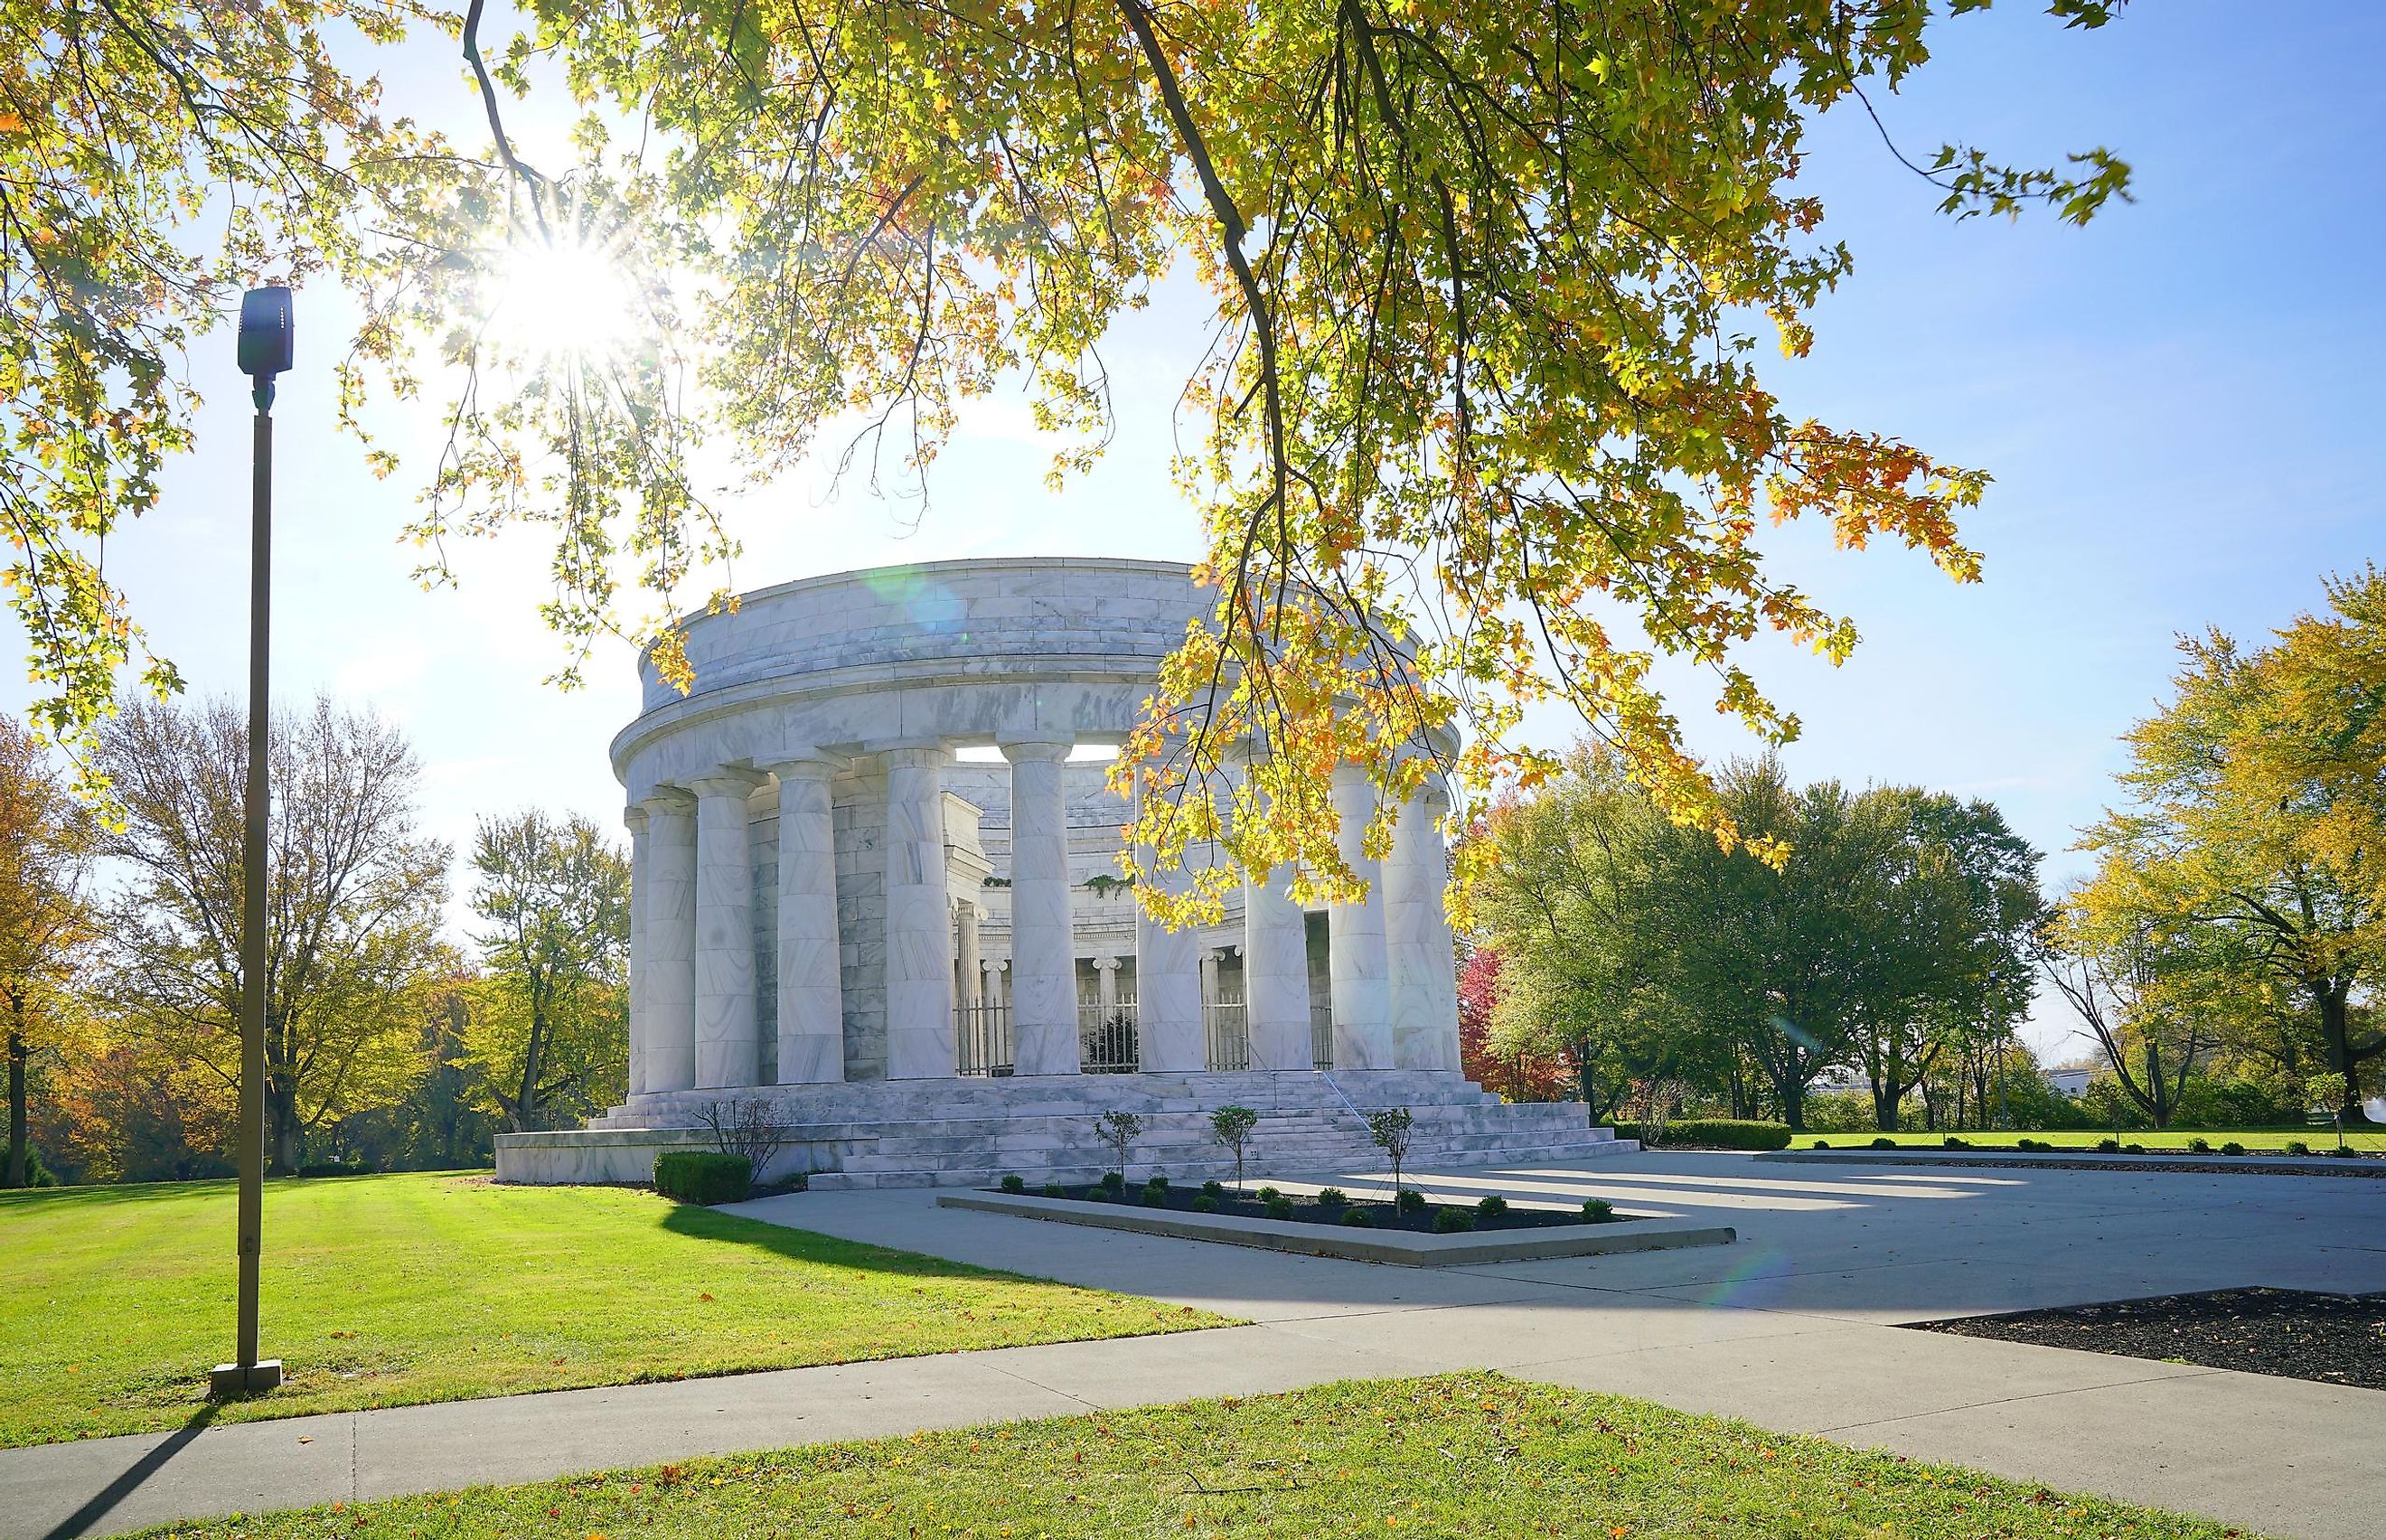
{"type": "Point", "coordinates": [384, 1290]}
{"type": "Point", "coordinates": [2154, 1139]}
{"type": "Point", "coordinates": [1460, 1455]}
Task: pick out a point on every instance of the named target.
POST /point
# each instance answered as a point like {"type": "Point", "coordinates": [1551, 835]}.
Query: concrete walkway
{"type": "Point", "coordinates": [1794, 1328]}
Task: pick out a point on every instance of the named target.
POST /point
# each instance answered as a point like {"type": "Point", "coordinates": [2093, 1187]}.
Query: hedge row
{"type": "Point", "coordinates": [703, 1176]}
{"type": "Point", "coordinates": [1714, 1133]}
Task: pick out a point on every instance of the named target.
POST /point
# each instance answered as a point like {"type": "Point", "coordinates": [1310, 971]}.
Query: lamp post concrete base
{"type": "Point", "coordinates": [228, 1382]}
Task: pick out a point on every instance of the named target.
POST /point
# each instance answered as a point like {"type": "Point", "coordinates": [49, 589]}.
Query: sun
{"type": "Point", "coordinates": [563, 297]}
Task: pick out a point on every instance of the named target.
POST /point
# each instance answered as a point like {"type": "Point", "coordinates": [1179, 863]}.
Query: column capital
{"type": "Point", "coordinates": [726, 781]}
{"type": "Point", "coordinates": [804, 765]}
{"type": "Point", "coordinates": [1106, 964]}
{"type": "Point", "coordinates": [1031, 750]}
{"type": "Point", "coordinates": [667, 801]}
{"type": "Point", "coordinates": [634, 817]}
{"type": "Point", "coordinates": [914, 756]}
{"type": "Point", "coordinates": [1350, 777]}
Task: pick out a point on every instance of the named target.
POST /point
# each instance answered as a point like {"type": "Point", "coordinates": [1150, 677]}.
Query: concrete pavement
{"type": "Point", "coordinates": [1794, 1328]}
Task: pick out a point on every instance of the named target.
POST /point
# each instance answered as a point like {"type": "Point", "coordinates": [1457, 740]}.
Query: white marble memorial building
{"type": "Point", "coordinates": [874, 883]}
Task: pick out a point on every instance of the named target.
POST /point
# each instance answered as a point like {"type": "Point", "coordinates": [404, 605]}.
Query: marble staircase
{"type": "Point", "coordinates": [973, 1133]}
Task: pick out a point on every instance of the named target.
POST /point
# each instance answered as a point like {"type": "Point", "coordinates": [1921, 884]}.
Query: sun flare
{"type": "Point", "coordinates": [563, 297]}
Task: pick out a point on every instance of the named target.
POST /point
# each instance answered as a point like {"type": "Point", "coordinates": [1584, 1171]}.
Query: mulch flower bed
{"type": "Point", "coordinates": [2332, 1338]}
{"type": "Point", "coordinates": [1303, 1209]}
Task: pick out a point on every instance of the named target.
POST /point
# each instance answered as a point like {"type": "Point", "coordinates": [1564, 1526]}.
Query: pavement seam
{"type": "Point", "coordinates": [1008, 1373]}
{"type": "Point", "coordinates": [1837, 1428]}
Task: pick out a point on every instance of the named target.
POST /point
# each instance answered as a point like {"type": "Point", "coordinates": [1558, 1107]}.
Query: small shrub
{"type": "Point", "coordinates": [2199, 1146]}
{"type": "Point", "coordinates": [1883, 1141]}
{"type": "Point", "coordinates": [318, 1168]}
{"type": "Point", "coordinates": [1269, 1194]}
{"type": "Point", "coordinates": [1822, 1143]}
{"type": "Point", "coordinates": [1448, 1221]}
{"type": "Point", "coordinates": [2232, 1147]}
{"type": "Point", "coordinates": [1053, 1189]}
{"type": "Point", "coordinates": [1950, 1142]}
{"type": "Point", "coordinates": [2342, 1152]}
{"type": "Point", "coordinates": [1410, 1201]}
{"type": "Point", "coordinates": [1492, 1208]}
{"type": "Point", "coordinates": [1356, 1217]}
{"type": "Point", "coordinates": [1333, 1198]}
{"type": "Point", "coordinates": [1115, 1181]}
{"type": "Point", "coordinates": [1154, 1197]}
{"type": "Point", "coordinates": [2133, 1149]}
{"type": "Point", "coordinates": [703, 1176]}
{"type": "Point", "coordinates": [2108, 1146]}
{"type": "Point", "coordinates": [1014, 1183]}
{"type": "Point", "coordinates": [1205, 1204]}
{"type": "Point", "coordinates": [2027, 1145]}
{"type": "Point", "coordinates": [1278, 1207]}
{"type": "Point", "coordinates": [2296, 1146]}
{"type": "Point", "coordinates": [1213, 1190]}
{"type": "Point", "coordinates": [1098, 1194]}
{"type": "Point", "coordinates": [1157, 1184]}
{"type": "Point", "coordinates": [1720, 1134]}
{"type": "Point", "coordinates": [1598, 1210]}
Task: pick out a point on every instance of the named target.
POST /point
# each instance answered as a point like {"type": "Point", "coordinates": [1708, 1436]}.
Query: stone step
{"type": "Point", "coordinates": [1255, 1174]}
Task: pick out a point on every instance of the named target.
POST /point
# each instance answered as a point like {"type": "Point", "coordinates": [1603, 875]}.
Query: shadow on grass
{"type": "Point", "coordinates": [138, 1474]}
{"type": "Point", "coordinates": [700, 1223]}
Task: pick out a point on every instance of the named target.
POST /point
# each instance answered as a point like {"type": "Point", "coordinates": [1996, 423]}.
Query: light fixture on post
{"type": "Point", "coordinates": [265, 352]}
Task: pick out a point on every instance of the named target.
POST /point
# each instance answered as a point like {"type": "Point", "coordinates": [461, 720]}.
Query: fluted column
{"type": "Point", "coordinates": [1172, 985]}
{"type": "Point", "coordinates": [921, 1035]}
{"type": "Point", "coordinates": [1417, 948]}
{"type": "Point", "coordinates": [670, 914]}
{"type": "Point", "coordinates": [1360, 970]}
{"type": "Point", "coordinates": [728, 1036]}
{"type": "Point", "coordinates": [967, 966]}
{"type": "Point", "coordinates": [1043, 961]}
{"type": "Point", "coordinates": [1275, 974]}
{"type": "Point", "coordinates": [811, 994]}
{"type": "Point", "coordinates": [635, 818]}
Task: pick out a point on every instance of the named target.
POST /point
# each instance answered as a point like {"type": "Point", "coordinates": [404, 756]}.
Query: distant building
{"type": "Point", "coordinates": [2069, 1082]}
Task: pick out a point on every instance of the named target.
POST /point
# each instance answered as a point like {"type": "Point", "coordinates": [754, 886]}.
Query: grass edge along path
{"type": "Point", "coordinates": [1475, 1455]}
{"type": "Point", "coordinates": [383, 1291]}
{"type": "Point", "coordinates": [2321, 1139]}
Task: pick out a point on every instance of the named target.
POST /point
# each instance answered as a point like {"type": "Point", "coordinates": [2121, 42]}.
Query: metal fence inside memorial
{"type": "Point", "coordinates": [981, 1040]}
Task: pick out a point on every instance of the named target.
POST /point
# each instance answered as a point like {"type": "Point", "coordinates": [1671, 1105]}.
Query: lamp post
{"type": "Point", "coordinates": [265, 351]}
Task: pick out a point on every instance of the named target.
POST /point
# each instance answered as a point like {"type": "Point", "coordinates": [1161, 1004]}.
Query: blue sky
{"type": "Point", "coordinates": [2179, 405]}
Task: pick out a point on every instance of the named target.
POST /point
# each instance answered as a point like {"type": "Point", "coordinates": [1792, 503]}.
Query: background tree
{"type": "Point", "coordinates": [551, 1033]}
{"type": "Point", "coordinates": [2243, 842]}
{"type": "Point", "coordinates": [354, 906]}
{"type": "Point", "coordinates": [46, 840]}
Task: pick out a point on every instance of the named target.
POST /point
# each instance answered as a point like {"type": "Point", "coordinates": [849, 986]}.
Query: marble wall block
{"type": "Point", "coordinates": [1043, 990]}
{"type": "Point", "coordinates": [920, 1026]}
{"type": "Point", "coordinates": [670, 995]}
{"type": "Point", "coordinates": [727, 1040]}
{"type": "Point", "coordinates": [1362, 999]}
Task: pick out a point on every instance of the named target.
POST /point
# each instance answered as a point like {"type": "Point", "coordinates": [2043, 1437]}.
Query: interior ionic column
{"type": "Point", "coordinates": [1421, 960]}
{"type": "Point", "coordinates": [967, 966]}
{"type": "Point", "coordinates": [921, 1032]}
{"type": "Point", "coordinates": [1360, 971]}
{"type": "Point", "coordinates": [669, 911]}
{"type": "Point", "coordinates": [1275, 974]}
{"type": "Point", "coordinates": [728, 1037]}
{"type": "Point", "coordinates": [1043, 961]}
{"type": "Point", "coordinates": [811, 992]}
{"type": "Point", "coordinates": [635, 818]}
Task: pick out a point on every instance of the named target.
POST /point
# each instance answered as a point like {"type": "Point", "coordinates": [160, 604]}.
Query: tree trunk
{"type": "Point", "coordinates": [19, 1052]}
{"type": "Point", "coordinates": [1884, 1106]}
{"type": "Point", "coordinates": [2335, 1031]}
{"type": "Point", "coordinates": [282, 1130]}
{"type": "Point", "coordinates": [1793, 1102]}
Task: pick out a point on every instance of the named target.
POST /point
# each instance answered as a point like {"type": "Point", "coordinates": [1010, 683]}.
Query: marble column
{"type": "Point", "coordinates": [921, 1036]}
{"type": "Point", "coordinates": [1275, 974]}
{"type": "Point", "coordinates": [1106, 988]}
{"type": "Point", "coordinates": [1418, 952]}
{"type": "Point", "coordinates": [635, 818]}
{"type": "Point", "coordinates": [728, 1036]}
{"type": "Point", "coordinates": [1361, 973]}
{"type": "Point", "coordinates": [668, 911]}
{"type": "Point", "coordinates": [970, 968]}
{"type": "Point", "coordinates": [812, 990]}
{"type": "Point", "coordinates": [1043, 959]}
{"type": "Point", "coordinates": [1172, 985]}
{"type": "Point", "coordinates": [989, 989]}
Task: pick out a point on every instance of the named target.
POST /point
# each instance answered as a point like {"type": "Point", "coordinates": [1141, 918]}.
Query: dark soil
{"type": "Point", "coordinates": [1305, 1210]}
{"type": "Point", "coordinates": [2332, 1338]}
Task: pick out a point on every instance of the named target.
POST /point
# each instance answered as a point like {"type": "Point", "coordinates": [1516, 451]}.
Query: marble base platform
{"type": "Point", "coordinates": [969, 1131]}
